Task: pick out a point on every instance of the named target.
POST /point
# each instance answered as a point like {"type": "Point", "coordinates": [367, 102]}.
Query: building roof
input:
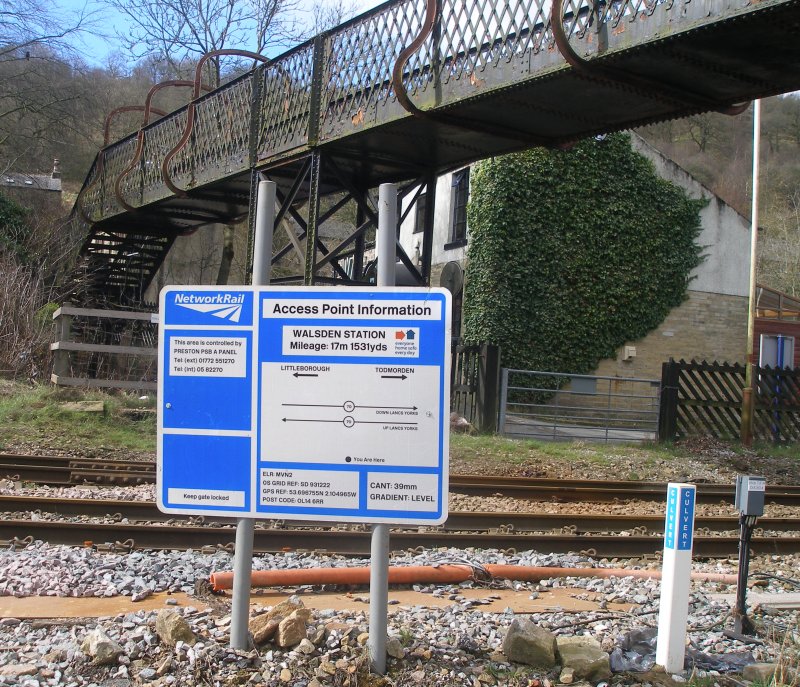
{"type": "Point", "coordinates": [33, 182]}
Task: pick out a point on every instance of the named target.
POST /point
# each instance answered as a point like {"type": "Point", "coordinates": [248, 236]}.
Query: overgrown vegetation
{"type": "Point", "coordinates": [36, 251]}
{"type": "Point", "coordinates": [574, 253]}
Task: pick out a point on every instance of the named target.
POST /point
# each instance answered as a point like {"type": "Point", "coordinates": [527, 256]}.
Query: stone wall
{"type": "Point", "coordinates": [707, 326]}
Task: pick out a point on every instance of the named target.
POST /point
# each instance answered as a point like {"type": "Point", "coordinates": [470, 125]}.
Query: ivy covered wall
{"type": "Point", "coordinates": [572, 253]}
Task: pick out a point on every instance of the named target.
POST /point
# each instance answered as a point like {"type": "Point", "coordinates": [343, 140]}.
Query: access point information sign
{"type": "Point", "coordinates": [304, 403]}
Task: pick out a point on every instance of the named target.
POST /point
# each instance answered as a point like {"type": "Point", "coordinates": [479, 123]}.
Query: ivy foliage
{"type": "Point", "coordinates": [572, 253]}
{"type": "Point", "coordinates": [14, 229]}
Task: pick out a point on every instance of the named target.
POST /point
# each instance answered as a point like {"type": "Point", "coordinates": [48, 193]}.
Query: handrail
{"type": "Point", "coordinates": [140, 134]}
{"type": "Point", "coordinates": [645, 86]}
{"type": "Point", "coordinates": [191, 109]}
{"type": "Point", "coordinates": [102, 153]}
{"type": "Point", "coordinates": [432, 15]}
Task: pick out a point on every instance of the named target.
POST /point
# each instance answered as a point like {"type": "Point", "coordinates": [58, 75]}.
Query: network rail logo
{"type": "Point", "coordinates": [231, 307]}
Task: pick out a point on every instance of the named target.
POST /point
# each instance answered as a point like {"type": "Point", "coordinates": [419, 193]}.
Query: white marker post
{"type": "Point", "coordinates": [676, 576]}
{"type": "Point", "coordinates": [379, 551]}
{"type": "Point", "coordinates": [243, 553]}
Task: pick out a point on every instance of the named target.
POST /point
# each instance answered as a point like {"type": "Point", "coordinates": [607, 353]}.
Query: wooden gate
{"type": "Point", "coordinates": [701, 398]}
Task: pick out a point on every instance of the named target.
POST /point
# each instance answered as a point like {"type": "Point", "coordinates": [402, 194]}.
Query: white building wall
{"type": "Point", "coordinates": [724, 236]}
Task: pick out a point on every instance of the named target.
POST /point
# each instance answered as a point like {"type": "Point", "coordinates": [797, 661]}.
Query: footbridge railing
{"type": "Point", "coordinates": [340, 84]}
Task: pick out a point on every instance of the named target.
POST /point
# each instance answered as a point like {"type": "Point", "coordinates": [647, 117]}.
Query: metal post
{"type": "Point", "coordinates": [741, 623]}
{"type": "Point", "coordinates": [243, 553]}
{"type": "Point", "coordinates": [379, 552]}
{"type": "Point", "coordinates": [503, 399]}
{"type": "Point", "coordinates": [747, 392]}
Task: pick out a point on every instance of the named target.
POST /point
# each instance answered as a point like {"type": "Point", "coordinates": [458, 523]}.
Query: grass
{"type": "Point", "coordinates": [518, 451]}
{"type": "Point", "coordinates": [36, 415]}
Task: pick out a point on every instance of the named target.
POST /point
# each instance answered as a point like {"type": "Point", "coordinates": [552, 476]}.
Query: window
{"type": "Point", "coordinates": [419, 212]}
{"type": "Point", "coordinates": [459, 196]}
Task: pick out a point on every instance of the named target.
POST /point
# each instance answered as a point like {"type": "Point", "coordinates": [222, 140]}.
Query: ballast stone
{"type": "Point", "coordinates": [526, 642]}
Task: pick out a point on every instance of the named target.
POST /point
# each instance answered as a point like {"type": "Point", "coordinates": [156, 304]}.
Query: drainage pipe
{"type": "Point", "coordinates": [441, 574]}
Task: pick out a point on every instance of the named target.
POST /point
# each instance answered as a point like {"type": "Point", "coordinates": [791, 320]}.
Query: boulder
{"type": "Point", "coordinates": [526, 642]}
{"type": "Point", "coordinates": [585, 656]}
{"type": "Point", "coordinates": [172, 628]}
{"type": "Point", "coordinates": [101, 648]}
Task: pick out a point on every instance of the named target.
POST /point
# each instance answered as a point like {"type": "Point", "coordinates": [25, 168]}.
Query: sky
{"type": "Point", "coordinates": [96, 47]}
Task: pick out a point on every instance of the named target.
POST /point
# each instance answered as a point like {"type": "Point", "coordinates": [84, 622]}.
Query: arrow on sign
{"type": "Point", "coordinates": [302, 374]}
{"type": "Point", "coordinates": [394, 377]}
{"type": "Point", "coordinates": [339, 405]}
{"type": "Point", "coordinates": [291, 419]}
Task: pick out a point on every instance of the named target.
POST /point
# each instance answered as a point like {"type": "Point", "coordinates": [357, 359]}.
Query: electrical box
{"type": "Point", "coordinates": [750, 491]}
{"type": "Point", "coordinates": [629, 352]}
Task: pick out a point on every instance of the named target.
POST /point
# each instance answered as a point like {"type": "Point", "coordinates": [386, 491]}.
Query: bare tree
{"type": "Point", "coordinates": [179, 31]}
{"type": "Point", "coordinates": [37, 63]}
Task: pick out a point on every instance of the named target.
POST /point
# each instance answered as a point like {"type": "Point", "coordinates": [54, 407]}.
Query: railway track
{"type": "Point", "coordinates": [64, 470]}
{"type": "Point", "coordinates": [139, 524]}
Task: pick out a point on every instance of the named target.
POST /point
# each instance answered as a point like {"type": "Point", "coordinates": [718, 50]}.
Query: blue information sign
{"type": "Point", "coordinates": [679, 524]}
{"type": "Point", "coordinates": [304, 403]}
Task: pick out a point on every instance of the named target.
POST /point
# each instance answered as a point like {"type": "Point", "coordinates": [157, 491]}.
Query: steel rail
{"type": "Point", "coordinates": [64, 470]}
{"type": "Point", "coordinates": [121, 536]}
{"type": "Point", "coordinates": [513, 522]}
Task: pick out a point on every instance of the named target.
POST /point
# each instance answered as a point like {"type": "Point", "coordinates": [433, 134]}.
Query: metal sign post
{"type": "Point", "coordinates": [379, 550]}
{"type": "Point", "coordinates": [675, 577]}
{"type": "Point", "coordinates": [243, 553]}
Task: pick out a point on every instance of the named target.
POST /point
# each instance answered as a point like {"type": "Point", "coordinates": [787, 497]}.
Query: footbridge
{"type": "Point", "coordinates": [404, 93]}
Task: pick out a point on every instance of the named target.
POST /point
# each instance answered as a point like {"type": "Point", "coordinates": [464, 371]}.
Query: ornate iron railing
{"type": "Point", "coordinates": [340, 83]}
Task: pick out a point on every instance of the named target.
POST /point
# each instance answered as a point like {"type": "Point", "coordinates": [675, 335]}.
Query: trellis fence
{"type": "Point", "coordinates": [701, 398]}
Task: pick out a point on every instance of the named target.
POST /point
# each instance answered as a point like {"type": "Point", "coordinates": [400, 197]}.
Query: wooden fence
{"type": "Point", "coordinates": [105, 348]}
{"type": "Point", "coordinates": [706, 399]}
{"type": "Point", "coordinates": [475, 384]}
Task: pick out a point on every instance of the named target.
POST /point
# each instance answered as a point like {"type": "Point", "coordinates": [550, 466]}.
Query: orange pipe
{"type": "Point", "coordinates": [415, 574]}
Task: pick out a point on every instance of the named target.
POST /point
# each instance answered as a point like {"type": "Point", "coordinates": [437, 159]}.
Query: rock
{"type": "Point", "coordinates": [306, 646]}
{"type": "Point", "coordinates": [172, 628]}
{"type": "Point", "coordinates": [292, 630]}
{"type": "Point", "coordinates": [418, 676]}
{"type": "Point", "coordinates": [528, 643]}
{"type": "Point", "coordinates": [101, 648]}
{"type": "Point", "coordinates": [759, 672]}
{"type": "Point", "coordinates": [585, 656]}
{"type": "Point", "coordinates": [147, 673]}
{"type": "Point", "coordinates": [286, 675]}
{"type": "Point", "coordinates": [394, 648]}
{"type": "Point", "coordinates": [19, 670]}
{"type": "Point", "coordinates": [263, 627]}
{"type": "Point", "coordinates": [567, 676]}
{"type": "Point", "coordinates": [460, 424]}
{"type": "Point", "coordinates": [363, 638]}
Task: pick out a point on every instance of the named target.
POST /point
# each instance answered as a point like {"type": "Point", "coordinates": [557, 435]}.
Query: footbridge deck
{"type": "Point", "coordinates": [414, 88]}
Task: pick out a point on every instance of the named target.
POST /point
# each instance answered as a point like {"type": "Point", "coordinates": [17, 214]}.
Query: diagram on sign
{"type": "Point", "coordinates": [356, 414]}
